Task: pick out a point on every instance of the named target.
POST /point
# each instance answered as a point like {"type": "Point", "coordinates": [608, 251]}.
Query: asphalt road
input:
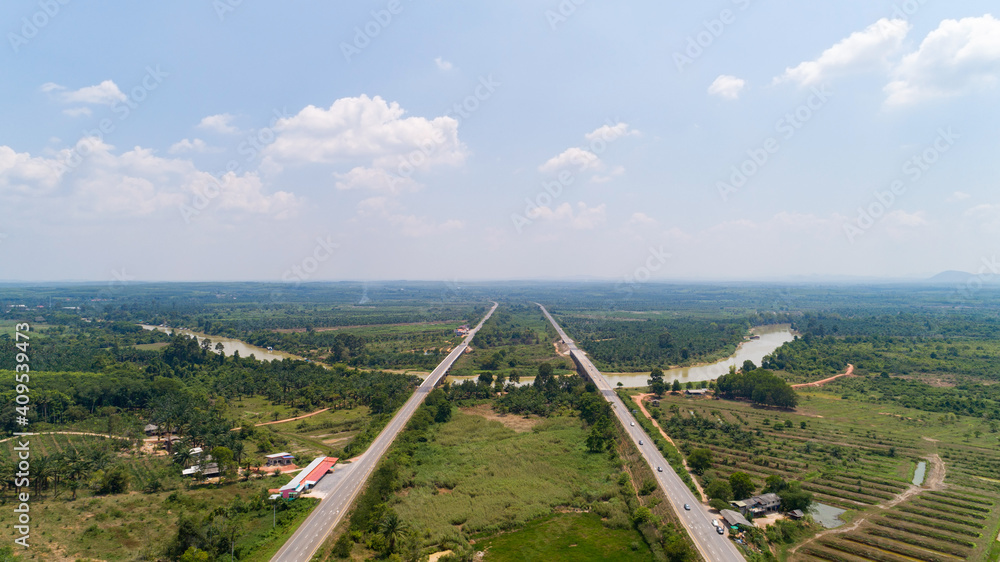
{"type": "Point", "coordinates": [698, 522]}
{"type": "Point", "coordinates": [342, 487]}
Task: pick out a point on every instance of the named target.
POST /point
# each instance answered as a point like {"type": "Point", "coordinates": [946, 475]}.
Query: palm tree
{"type": "Point", "coordinates": [393, 529]}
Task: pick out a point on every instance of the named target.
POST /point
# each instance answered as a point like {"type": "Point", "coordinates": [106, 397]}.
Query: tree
{"type": "Point", "coordinates": [700, 460]}
{"type": "Point", "coordinates": [393, 529]}
{"type": "Point", "coordinates": [794, 497]}
{"type": "Point", "coordinates": [719, 489]}
{"type": "Point", "coordinates": [342, 548]}
{"type": "Point", "coordinates": [719, 504]}
{"type": "Point", "coordinates": [742, 485]}
{"type": "Point", "coordinates": [443, 413]}
{"type": "Point", "coordinates": [486, 378]}
{"type": "Point", "coordinates": [544, 375]}
{"type": "Point", "coordinates": [748, 366]}
{"type": "Point", "coordinates": [223, 456]}
{"type": "Point", "coordinates": [774, 484]}
{"type": "Point", "coordinates": [655, 381]}
{"type": "Point", "coordinates": [194, 554]}
{"type": "Point", "coordinates": [676, 386]}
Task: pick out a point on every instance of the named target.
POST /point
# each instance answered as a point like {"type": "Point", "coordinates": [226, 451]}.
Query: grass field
{"type": "Point", "coordinates": [478, 476]}
{"type": "Point", "coordinates": [854, 457]}
{"type": "Point", "coordinates": [566, 537]}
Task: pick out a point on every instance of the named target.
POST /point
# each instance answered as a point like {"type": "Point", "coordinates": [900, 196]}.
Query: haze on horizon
{"type": "Point", "coordinates": [556, 140]}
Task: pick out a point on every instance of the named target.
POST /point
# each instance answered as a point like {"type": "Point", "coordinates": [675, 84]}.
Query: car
{"type": "Point", "coordinates": [640, 441]}
{"type": "Point", "coordinates": [632, 424]}
{"type": "Point", "coordinates": [659, 469]}
{"type": "Point", "coordinates": [715, 522]}
{"type": "Point", "coordinates": [687, 507]}
{"type": "Point", "coordinates": [720, 530]}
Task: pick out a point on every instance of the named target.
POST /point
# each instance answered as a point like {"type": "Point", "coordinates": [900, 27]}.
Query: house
{"type": "Point", "coordinates": [696, 391]}
{"type": "Point", "coordinates": [462, 330]}
{"type": "Point", "coordinates": [758, 505]}
{"type": "Point", "coordinates": [734, 520]}
{"type": "Point", "coordinates": [211, 470]}
{"type": "Point", "coordinates": [796, 514]}
{"type": "Point", "coordinates": [151, 429]}
{"type": "Point", "coordinates": [309, 477]}
{"type": "Point", "coordinates": [279, 459]}
{"type": "Point", "coordinates": [656, 403]}
{"type": "Point", "coordinates": [170, 441]}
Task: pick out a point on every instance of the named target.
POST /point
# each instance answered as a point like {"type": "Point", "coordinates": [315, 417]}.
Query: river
{"type": "Point", "coordinates": [770, 338]}
{"type": "Point", "coordinates": [230, 346]}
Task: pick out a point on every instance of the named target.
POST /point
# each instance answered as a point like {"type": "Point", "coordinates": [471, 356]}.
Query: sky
{"type": "Point", "coordinates": [527, 139]}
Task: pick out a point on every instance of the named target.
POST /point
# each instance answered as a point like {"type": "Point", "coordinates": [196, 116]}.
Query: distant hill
{"type": "Point", "coordinates": [951, 278]}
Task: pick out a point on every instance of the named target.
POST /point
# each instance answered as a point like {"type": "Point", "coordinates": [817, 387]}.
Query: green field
{"type": "Point", "coordinates": [567, 537]}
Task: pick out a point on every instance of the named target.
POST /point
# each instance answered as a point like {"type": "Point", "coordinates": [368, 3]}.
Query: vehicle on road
{"type": "Point", "coordinates": [687, 507]}
{"type": "Point", "coordinates": [659, 469]}
{"type": "Point", "coordinates": [632, 424]}
{"type": "Point", "coordinates": [715, 522]}
{"type": "Point", "coordinates": [640, 441]}
{"type": "Point", "coordinates": [720, 530]}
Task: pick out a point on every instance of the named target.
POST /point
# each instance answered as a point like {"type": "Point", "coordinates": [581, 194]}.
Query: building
{"type": "Point", "coordinates": [151, 429]}
{"type": "Point", "coordinates": [462, 330]}
{"type": "Point", "coordinates": [279, 459]}
{"type": "Point", "coordinates": [734, 519]}
{"type": "Point", "coordinates": [211, 470]}
{"type": "Point", "coordinates": [758, 505]}
{"type": "Point", "coordinates": [696, 391]}
{"type": "Point", "coordinates": [309, 477]}
{"type": "Point", "coordinates": [796, 514]}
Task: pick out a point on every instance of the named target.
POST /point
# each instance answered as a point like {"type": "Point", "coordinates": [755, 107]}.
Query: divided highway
{"type": "Point", "coordinates": [697, 521]}
{"type": "Point", "coordinates": [341, 488]}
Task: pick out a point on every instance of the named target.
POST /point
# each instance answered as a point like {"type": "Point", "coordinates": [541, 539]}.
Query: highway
{"type": "Point", "coordinates": [698, 522]}
{"type": "Point", "coordinates": [341, 488]}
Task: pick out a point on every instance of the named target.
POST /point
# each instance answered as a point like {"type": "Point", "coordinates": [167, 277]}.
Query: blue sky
{"type": "Point", "coordinates": [526, 139]}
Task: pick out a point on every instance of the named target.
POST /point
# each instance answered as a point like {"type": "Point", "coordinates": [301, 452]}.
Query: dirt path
{"type": "Point", "coordinates": [848, 373]}
{"type": "Point", "coordinates": [66, 433]}
{"type": "Point", "coordinates": [309, 415]}
{"type": "Point", "coordinates": [933, 480]}
{"type": "Point", "coordinates": [638, 400]}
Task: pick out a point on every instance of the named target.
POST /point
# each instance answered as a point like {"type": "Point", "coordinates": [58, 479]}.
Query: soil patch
{"type": "Point", "coordinates": [520, 424]}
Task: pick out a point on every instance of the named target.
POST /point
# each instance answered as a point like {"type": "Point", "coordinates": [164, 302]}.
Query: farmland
{"type": "Point", "coordinates": [862, 460]}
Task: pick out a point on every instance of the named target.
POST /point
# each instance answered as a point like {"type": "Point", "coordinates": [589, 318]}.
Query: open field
{"type": "Point", "coordinates": [566, 537]}
{"type": "Point", "coordinates": [861, 459]}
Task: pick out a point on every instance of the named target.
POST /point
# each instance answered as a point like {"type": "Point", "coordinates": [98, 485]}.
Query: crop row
{"type": "Point", "coordinates": [953, 503]}
{"type": "Point", "coordinates": [932, 524]}
{"type": "Point", "coordinates": [865, 482]}
{"type": "Point", "coordinates": [924, 532]}
{"type": "Point", "coordinates": [980, 500]}
{"type": "Point", "coordinates": [933, 515]}
{"type": "Point", "coordinates": [854, 489]}
{"type": "Point", "coordinates": [825, 555]}
{"type": "Point", "coordinates": [812, 487]}
{"type": "Point", "coordinates": [891, 546]}
{"type": "Point", "coordinates": [860, 551]}
{"type": "Point", "coordinates": [933, 506]}
{"type": "Point", "coordinates": [920, 541]}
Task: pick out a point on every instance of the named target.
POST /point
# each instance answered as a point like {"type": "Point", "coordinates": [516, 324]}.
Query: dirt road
{"type": "Point", "coordinates": [848, 373]}
{"type": "Point", "coordinates": [638, 400]}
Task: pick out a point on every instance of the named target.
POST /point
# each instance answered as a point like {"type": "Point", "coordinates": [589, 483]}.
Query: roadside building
{"type": "Point", "coordinates": [309, 477]}
{"type": "Point", "coordinates": [735, 520]}
{"type": "Point", "coordinates": [758, 505]}
{"type": "Point", "coordinates": [696, 391]}
{"type": "Point", "coordinates": [279, 459]}
{"type": "Point", "coordinates": [796, 514]}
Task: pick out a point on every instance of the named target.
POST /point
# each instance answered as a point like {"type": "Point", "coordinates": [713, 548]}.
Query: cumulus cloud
{"type": "Point", "coordinates": [105, 93]}
{"type": "Point", "coordinates": [95, 182]}
{"type": "Point", "coordinates": [221, 123]}
{"type": "Point", "coordinates": [409, 225]}
{"type": "Point", "coordinates": [576, 158]}
{"type": "Point", "coordinates": [862, 50]}
{"type": "Point", "coordinates": [368, 131]}
{"type": "Point", "coordinates": [609, 133]}
{"type": "Point", "coordinates": [615, 172]}
{"type": "Point", "coordinates": [580, 218]}
{"type": "Point", "coordinates": [959, 57]}
{"type": "Point", "coordinates": [189, 145]}
{"type": "Point", "coordinates": [727, 87]}
{"type": "Point", "coordinates": [78, 111]}
{"type": "Point", "coordinates": [442, 64]}
{"type": "Point", "coordinates": [375, 179]}
{"type": "Point", "coordinates": [958, 196]}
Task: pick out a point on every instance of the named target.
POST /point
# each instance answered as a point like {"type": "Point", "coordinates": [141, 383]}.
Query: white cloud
{"type": "Point", "coordinates": [958, 196]}
{"type": "Point", "coordinates": [609, 133]}
{"type": "Point", "coordinates": [409, 225]}
{"type": "Point", "coordinates": [581, 218]}
{"type": "Point", "coordinates": [903, 219]}
{"type": "Point", "coordinates": [443, 64]}
{"type": "Point", "coordinates": [221, 123]}
{"type": "Point", "coordinates": [959, 57]}
{"type": "Point", "coordinates": [375, 179]}
{"type": "Point", "coordinates": [862, 50]}
{"type": "Point", "coordinates": [105, 93]}
{"type": "Point", "coordinates": [641, 219]}
{"type": "Point", "coordinates": [367, 131]}
{"type": "Point", "coordinates": [132, 184]}
{"type": "Point", "coordinates": [617, 171]}
{"type": "Point", "coordinates": [188, 145]}
{"type": "Point", "coordinates": [728, 87]}
{"type": "Point", "coordinates": [78, 111]}
{"type": "Point", "coordinates": [578, 158]}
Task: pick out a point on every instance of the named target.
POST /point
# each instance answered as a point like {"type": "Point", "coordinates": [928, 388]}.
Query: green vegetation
{"type": "Point", "coordinates": [758, 386]}
{"type": "Point", "coordinates": [567, 537]}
